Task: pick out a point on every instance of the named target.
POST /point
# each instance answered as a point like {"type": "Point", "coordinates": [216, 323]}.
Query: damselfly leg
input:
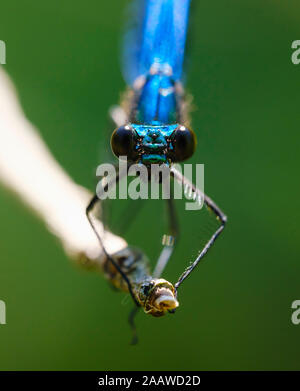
{"type": "Point", "coordinates": [131, 322]}
{"type": "Point", "coordinates": [169, 240]}
{"type": "Point", "coordinates": [110, 258]}
{"type": "Point", "coordinates": [211, 205]}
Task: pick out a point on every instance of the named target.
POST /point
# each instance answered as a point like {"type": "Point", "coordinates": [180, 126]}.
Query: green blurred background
{"type": "Point", "coordinates": [236, 308]}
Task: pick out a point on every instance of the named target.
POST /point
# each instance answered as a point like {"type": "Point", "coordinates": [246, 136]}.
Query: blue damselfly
{"type": "Point", "coordinates": [153, 127]}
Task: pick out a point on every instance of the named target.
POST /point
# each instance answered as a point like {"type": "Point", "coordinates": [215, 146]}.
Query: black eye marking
{"type": "Point", "coordinates": [146, 288]}
{"type": "Point", "coordinates": [124, 142]}
{"type": "Point", "coordinates": [182, 144]}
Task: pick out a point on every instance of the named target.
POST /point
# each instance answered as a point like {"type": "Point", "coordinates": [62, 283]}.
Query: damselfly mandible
{"type": "Point", "coordinates": [152, 127]}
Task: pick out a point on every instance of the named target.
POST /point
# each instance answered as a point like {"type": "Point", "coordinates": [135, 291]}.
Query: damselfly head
{"type": "Point", "coordinates": [157, 296]}
{"type": "Point", "coordinates": [155, 143]}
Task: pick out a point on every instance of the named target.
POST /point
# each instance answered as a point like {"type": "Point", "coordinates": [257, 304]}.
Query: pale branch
{"type": "Point", "coordinates": [28, 168]}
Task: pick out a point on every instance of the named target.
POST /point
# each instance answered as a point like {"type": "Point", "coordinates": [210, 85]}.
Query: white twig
{"type": "Point", "coordinates": [28, 168]}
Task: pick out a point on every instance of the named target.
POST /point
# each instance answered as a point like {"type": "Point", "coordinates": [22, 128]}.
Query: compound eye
{"type": "Point", "coordinates": [183, 141]}
{"type": "Point", "coordinates": [123, 142]}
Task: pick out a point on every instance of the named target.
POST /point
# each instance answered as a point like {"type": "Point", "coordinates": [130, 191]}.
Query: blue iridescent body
{"type": "Point", "coordinates": [153, 61]}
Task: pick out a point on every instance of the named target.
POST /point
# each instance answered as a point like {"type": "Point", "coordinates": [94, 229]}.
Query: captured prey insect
{"type": "Point", "coordinates": [153, 128]}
